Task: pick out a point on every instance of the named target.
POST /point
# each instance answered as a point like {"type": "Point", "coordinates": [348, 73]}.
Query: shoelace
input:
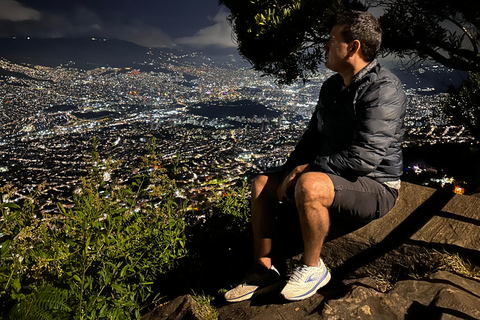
{"type": "Point", "coordinates": [299, 273]}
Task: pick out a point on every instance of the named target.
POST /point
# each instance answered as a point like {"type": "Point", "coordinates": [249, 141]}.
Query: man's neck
{"type": "Point", "coordinates": [355, 67]}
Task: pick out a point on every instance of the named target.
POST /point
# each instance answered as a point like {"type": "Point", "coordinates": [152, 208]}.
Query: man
{"type": "Point", "coordinates": [347, 164]}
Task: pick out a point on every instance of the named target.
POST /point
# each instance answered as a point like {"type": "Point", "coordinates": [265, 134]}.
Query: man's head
{"type": "Point", "coordinates": [362, 26]}
{"type": "Point", "coordinates": [354, 42]}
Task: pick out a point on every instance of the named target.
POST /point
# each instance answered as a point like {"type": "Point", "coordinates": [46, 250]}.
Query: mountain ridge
{"type": "Point", "coordinates": [90, 53]}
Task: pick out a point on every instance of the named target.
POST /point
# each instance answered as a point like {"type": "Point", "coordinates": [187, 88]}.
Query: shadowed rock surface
{"type": "Point", "coordinates": [442, 295]}
{"type": "Point", "coordinates": [182, 308]}
{"type": "Point", "coordinates": [424, 223]}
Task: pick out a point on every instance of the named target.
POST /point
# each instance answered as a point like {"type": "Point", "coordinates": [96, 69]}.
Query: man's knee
{"type": "Point", "coordinates": [264, 183]}
{"type": "Point", "coordinates": [315, 186]}
{"type": "Point", "coordinates": [258, 184]}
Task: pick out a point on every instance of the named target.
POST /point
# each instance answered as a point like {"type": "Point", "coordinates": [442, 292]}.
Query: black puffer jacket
{"type": "Point", "coordinates": [356, 130]}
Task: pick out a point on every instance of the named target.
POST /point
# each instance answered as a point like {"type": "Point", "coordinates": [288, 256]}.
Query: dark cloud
{"type": "Point", "coordinates": [219, 33]}
{"type": "Point", "coordinates": [140, 34]}
{"type": "Point", "coordinates": [149, 23]}
{"type": "Point", "coordinates": [83, 22]}
{"type": "Point", "coordinates": [12, 10]}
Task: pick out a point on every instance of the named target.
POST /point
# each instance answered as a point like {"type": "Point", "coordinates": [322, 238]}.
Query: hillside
{"type": "Point", "coordinates": [90, 53]}
{"type": "Point", "coordinates": [80, 53]}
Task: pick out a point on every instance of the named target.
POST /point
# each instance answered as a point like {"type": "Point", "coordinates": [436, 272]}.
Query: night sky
{"type": "Point", "coordinates": [152, 23]}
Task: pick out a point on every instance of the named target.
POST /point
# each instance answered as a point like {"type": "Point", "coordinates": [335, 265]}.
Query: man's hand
{"type": "Point", "coordinates": [290, 180]}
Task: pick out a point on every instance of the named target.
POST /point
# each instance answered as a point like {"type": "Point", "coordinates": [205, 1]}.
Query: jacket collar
{"type": "Point", "coordinates": [365, 70]}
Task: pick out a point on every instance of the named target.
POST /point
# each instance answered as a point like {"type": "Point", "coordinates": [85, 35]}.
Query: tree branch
{"type": "Point", "coordinates": [469, 35]}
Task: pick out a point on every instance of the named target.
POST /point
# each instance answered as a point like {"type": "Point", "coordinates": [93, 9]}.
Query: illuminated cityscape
{"type": "Point", "coordinates": [224, 122]}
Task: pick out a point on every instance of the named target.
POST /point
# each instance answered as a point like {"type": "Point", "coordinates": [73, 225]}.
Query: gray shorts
{"type": "Point", "coordinates": [362, 200]}
{"type": "Point", "coordinates": [356, 203]}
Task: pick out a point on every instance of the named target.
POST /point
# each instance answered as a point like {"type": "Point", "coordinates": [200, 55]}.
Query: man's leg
{"type": "Point", "coordinates": [263, 277]}
{"type": "Point", "coordinates": [318, 196]}
{"type": "Point", "coordinates": [314, 194]}
{"type": "Point", "coordinates": [264, 198]}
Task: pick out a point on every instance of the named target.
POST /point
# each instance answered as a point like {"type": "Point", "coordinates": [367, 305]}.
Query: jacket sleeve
{"type": "Point", "coordinates": [380, 112]}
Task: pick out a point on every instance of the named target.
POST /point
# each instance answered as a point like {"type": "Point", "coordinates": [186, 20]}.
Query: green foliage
{"type": "Point", "coordinates": [99, 259]}
{"type": "Point", "coordinates": [275, 15]}
{"type": "Point", "coordinates": [463, 104]}
{"type": "Point", "coordinates": [285, 38]}
{"type": "Point", "coordinates": [47, 303]}
{"type": "Point", "coordinates": [234, 204]}
{"type": "Point", "coordinates": [206, 310]}
{"type": "Point", "coordinates": [219, 240]}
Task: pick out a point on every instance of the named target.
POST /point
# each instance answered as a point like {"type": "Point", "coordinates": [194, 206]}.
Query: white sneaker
{"type": "Point", "coordinates": [255, 283]}
{"type": "Point", "coordinates": [305, 281]}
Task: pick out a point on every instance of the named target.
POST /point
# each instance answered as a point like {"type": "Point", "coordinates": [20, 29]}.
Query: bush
{"type": "Point", "coordinates": [97, 260]}
{"type": "Point", "coordinates": [234, 205]}
{"type": "Point", "coordinates": [219, 242]}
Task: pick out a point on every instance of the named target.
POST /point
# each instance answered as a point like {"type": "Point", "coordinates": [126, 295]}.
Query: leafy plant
{"type": "Point", "coordinates": [234, 204]}
{"type": "Point", "coordinates": [48, 302]}
{"type": "Point", "coordinates": [204, 303]}
{"type": "Point", "coordinates": [98, 259]}
{"type": "Point", "coordinates": [218, 240]}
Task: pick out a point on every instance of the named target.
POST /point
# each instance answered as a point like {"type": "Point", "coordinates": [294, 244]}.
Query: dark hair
{"type": "Point", "coordinates": [362, 26]}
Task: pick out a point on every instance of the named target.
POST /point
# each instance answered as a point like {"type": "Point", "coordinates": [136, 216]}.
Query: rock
{"type": "Point", "coordinates": [271, 309]}
{"type": "Point", "coordinates": [444, 295]}
{"type": "Point", "coordinates": [181, 308]}
{"type": "Point", "coordinates": [426, 217]}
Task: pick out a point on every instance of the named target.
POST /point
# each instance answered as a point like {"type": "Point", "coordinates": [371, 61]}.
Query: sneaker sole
{"type": "Point", "coordinates": [257, 292]}
{"type": "Point", "coordinates": [323, 282]}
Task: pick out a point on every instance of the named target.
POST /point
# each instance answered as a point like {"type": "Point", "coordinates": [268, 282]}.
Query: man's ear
{"type": "Point", "coordinates": [355, 46]}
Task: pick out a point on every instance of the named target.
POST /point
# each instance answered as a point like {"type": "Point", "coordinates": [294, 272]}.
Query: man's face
{"type": "Point", "coordinates": [336, 50]}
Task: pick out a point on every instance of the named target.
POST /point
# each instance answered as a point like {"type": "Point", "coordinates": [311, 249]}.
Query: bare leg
{"type": "Point", "coordinates": [264, 196]}
{"type": "Point", "coordinates": [314, 194]}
